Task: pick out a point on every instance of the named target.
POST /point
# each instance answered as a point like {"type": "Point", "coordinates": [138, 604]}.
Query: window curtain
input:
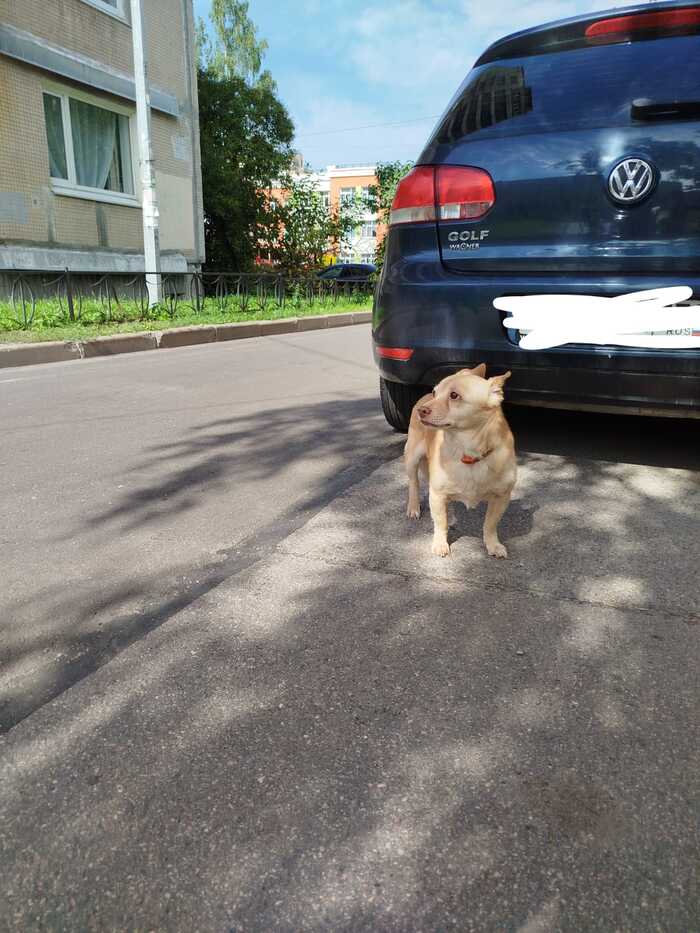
{"type": "Point", "coordinates": [54, 136]}
{"type": "Point", "coordinates": [95, 136]}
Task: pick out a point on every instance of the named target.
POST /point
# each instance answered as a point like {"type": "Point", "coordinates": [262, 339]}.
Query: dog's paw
{"type": "Point", "coordinates": [440, 549]}
{"type": "Point", "coordinates": [497, 550]}
{"type": "Point", "coordinates": [413, 512]}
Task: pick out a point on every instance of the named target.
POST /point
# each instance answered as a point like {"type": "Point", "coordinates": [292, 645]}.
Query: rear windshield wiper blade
{"type": "Point", "coordinates": [644, 109]}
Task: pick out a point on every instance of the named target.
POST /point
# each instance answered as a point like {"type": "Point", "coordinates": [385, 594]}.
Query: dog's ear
{"type": "Point", "coordinates": [496, 384]}
{"type": "Point", "coordinates": [479, 370]}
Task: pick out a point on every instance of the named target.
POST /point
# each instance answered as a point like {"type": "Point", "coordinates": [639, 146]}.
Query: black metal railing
{"type": "Point", "coordinates": [115, 297]}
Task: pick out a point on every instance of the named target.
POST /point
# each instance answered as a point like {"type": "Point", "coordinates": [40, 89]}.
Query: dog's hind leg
{"type": "Point", "coordinates": [494, 513]}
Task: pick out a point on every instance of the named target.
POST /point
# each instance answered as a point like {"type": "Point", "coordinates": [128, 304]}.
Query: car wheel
{"type": "Point", "coordinates": [398, 401]}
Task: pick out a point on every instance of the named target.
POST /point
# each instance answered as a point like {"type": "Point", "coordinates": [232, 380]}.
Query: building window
{"type": "Point", "coordinates": [115, 7]}
{"type": "Point", "coordinates": [347, 196]}
{"type": "Point", "coordinates": [367, 258]}
{"type": "Point", "coordinates": [89, 149]}
{"type": "Point", "coordinates": [369, 229]}
{"type": "Point", "coordinates": [325, 199]}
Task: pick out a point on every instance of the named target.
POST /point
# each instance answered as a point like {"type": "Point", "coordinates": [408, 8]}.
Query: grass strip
{"type": "Point", "coordinates": [49, 321]}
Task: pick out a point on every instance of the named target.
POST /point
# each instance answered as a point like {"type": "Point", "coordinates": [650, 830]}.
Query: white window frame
{"type": "Point", "coordinates": [117, 12]}
{"type": "Point", "coordinates": [372, 226]}
{"type": "Point", "coordinates": [346, 196]}
{"type": "Point", "coordinates": [69, 187]}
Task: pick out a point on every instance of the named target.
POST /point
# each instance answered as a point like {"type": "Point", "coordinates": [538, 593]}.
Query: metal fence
{"type": "Point", "coordinates": [113, 293]}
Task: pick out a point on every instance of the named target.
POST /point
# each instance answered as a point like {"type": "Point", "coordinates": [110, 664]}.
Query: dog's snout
{"type": "Point", "coordinates": [425, 412]}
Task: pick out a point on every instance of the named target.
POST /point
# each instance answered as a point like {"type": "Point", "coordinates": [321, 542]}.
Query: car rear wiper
{"type": "Point", "coordinates": [644, 109]}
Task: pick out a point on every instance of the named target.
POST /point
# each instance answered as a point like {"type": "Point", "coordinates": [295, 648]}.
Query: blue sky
{"type": "Point", "coordinates": [344, 66]}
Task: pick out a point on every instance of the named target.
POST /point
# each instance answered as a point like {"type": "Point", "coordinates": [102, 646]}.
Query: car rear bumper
{"type": "Point", "coordinates": [570, 383]}
{"type": "Point", "coordinates": [449, 322]}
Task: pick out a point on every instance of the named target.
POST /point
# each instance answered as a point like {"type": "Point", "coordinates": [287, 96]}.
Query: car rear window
{"type": "Point", "coordinates": [576, 89]}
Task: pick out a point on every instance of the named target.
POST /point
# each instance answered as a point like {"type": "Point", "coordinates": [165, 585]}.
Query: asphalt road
{"type": "Point", "coordinates": [238, 693]}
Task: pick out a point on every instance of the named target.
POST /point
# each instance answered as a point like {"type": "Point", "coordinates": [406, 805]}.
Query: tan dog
{"type": "Point", "coordinates": [460, 433]}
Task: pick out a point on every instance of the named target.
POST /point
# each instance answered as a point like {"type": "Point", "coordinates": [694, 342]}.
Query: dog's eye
{"type": "Point", "coordinates": [454, 396]}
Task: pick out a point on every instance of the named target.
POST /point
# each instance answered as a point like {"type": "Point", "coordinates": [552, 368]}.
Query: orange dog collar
{"type": "Point", "coordinates": [470, 461]}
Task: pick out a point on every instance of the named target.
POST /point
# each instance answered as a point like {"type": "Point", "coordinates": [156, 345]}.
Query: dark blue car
{"type": "Point", "coordinates": [567, 162]}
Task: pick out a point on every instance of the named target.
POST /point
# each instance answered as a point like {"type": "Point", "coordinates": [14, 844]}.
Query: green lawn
{"type": "Point", "coordinates": [49, 318]}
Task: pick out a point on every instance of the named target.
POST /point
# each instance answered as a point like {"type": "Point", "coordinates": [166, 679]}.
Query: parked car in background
{"type": "Point", "coordinates": [344, 271]}
{"type": "Point", "coordinates": [567, 162]}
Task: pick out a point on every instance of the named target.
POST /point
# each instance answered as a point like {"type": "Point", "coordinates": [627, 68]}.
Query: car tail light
{"type": "Point", "coordinates": [619, 28]}
{"type": "Point", "coordinates": [463, 193]}
{"type": "Point", "coordinates": [403, 354]}
{"type": "Point", "coordinates": [414, 201]}
{"type": "Point", "coordinates": [444, 192]}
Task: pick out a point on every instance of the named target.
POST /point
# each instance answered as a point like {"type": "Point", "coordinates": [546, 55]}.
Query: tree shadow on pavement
{"type": "Point", "coordinates": [118, 599]}
{"type": "Point", "coordinates": [77, 617]}
{"type": "Point", "coordinates": [255, 447]}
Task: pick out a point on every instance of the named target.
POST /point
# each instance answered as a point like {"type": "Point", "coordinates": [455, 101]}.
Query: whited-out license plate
{"type": "Point", "coordinates": [663, 319]}
{"type": "Point", "coordinates": [685, 332]}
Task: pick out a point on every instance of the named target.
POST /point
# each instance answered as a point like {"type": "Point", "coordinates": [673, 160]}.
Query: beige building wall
{"type": "Point", "coordinates": [24, 161]}
{"type": "Point", "coordinates": [34, 219]}
{"type": "Point", "coordinates": [79, 27]}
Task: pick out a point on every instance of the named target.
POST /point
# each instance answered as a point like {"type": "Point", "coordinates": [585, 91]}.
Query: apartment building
{"type": "Point", "coordinates": [345, 183]}
{"type": "Point", "coordinates": [336, 184]}
{"type": "Point", "coordinates": [69, 167]}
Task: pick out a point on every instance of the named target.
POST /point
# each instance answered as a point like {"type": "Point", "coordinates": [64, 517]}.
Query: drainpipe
{"type": "Point", "coordinates": [149, 199]}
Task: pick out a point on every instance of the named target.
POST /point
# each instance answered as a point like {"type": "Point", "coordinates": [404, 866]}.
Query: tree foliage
{"type": "Point", "coordinates": [307, 228]}
{"type": "Point", "coordinates": [232, 47]}
{"type": "Point", "coordinates": [245, 140]}
{"type": "Point", "coordinates": [389, 174]}
{"type": "Point", "coordinates": [245, 134]}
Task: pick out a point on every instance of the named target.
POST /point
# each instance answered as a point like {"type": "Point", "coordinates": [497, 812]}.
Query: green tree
{"type": "Point", "coordinates": [245, 136]}
{"type": "Point", "coordinates": [389, 174]}
{"type": "Point", "coordinates": [232, 47]}
{"type": "Point", "coordinates": [308, 228]}
{"type": "Point", "coordinates": [245, 140]}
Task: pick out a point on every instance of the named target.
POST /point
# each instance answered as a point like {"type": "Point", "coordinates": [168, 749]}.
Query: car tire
{"type": "Point", "coordinates": [398, 401]}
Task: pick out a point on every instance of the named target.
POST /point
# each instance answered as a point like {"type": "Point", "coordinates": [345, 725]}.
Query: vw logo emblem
{"type": "Point", "coordinates": [630, 181]}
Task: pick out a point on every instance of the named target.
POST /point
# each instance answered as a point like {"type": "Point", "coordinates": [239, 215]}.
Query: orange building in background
{"type": "Point", "coordinates": [336, 183]}
{"type": "Point", "coordinates": [350, 181]}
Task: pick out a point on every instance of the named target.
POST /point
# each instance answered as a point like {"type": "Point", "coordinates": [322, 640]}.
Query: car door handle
{"type": "Point", "coordinates": [644, 109]}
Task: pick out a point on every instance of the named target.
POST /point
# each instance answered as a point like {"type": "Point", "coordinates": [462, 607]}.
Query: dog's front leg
{"type": "Point", "coordinates": [438, 509]}
{"type": "Point", "coordinates": [412, 465]}
{"type": "Point", "coordinates": [494, 512]}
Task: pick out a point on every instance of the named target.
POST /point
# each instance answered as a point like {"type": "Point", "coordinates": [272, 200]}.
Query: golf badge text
{"type": "Point", "coordinates": [467, 239]}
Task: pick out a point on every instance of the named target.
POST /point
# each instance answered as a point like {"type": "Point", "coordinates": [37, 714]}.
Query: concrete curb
{"type": "Point", "coordinates": [185, 337]}
{"type": "Point", "coordinates": [119, 343]}
{"type": "Point", "coordinates": [30, 354]}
